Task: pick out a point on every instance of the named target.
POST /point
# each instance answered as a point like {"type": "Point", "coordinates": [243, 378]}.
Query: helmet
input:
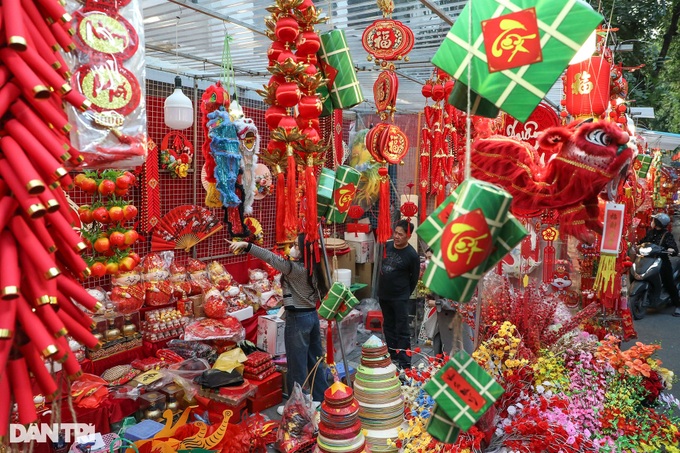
{"type": "Point", "coordinates": [662, 218]}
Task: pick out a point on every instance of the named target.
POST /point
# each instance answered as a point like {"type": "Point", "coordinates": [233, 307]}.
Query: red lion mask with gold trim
{"type": "Point", "coordinates": [580, 161]}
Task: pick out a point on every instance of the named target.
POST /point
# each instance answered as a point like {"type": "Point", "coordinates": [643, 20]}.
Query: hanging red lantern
{"type": "Point", "coordinates": [288, 94]}
{"type": "Point", "coordinates": [286, 55]}
{"type": "Point", "coordinates": [311, 134]}
{"type": "Point", "coordinates": [307, 43]}
{"type": "Point", "coordinates": [310, 107]}
{"type": "Point", "coordinates": [273, 116]}
{"type": "Point", "coordinates": [274, 51]}
{"type": "Point", "coordinates": [287, 29]}
{"type": "Point", "coordinates": [438, 92]}
{"type": "Point", "coordinates": [427, 90]}
{"type": "Point", "coordinates": [304, 123]}
{"type": "Point", "coordinates": [587, 87]}
{"type": "Point", "coordinates": [288, 123]}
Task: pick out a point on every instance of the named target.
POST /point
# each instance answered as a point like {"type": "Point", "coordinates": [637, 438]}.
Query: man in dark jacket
{"type": "Point", "coordinates": [398, 278]}
{"type": "Point", "coordinates": [660, 236]}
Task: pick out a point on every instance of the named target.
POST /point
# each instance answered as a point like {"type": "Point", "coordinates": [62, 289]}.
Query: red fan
{"type": "Point", "coordinates": [184, 227]}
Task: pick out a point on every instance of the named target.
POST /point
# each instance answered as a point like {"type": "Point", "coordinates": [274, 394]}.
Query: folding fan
{"type": "Point", "coordinates": [183, 227]}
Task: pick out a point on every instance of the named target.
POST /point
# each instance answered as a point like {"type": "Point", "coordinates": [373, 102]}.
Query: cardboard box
{"type": "Point", "coordinates": [345, 261]}
{"type": "Point", "coordinates": [270, 334]}
{"type": "Point", "coordinates": [364, 274]}
{"type": "Point", "coordinates": [364, 250]}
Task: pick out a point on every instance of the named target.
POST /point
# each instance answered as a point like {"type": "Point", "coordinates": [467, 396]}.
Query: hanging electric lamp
{"type": "Point", "coordinates": [178, 108]}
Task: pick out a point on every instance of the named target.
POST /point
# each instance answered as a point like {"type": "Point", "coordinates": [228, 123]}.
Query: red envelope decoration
{"type": "Point", "coordinates": [343, 197]}
{"type": "Point", "coordinates": [466, 242]}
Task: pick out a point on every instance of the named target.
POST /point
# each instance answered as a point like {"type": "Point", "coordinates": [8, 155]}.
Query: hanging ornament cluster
{"type": "Point", "coordinates": [40, 258]}
{"type": "Point", "coordinates": [438, 139]}
{"type": "Point", "coordinates": [107, 72]}
{"type": "Point", "coordinates": [294, 109]}
{"type": "Point", "coordinates": [176, 154]}
{"type": "Point", "coordinates": [386, 40]}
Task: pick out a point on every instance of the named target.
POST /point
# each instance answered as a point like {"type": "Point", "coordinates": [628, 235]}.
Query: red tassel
{"type": "Point", "coordinates": [548, 263]}
{"type": "Point", "coordinates": [384, 211]}
{"type": "Point", "coordinates": [280, 206]}
{"type": "Point", "coordinates": [311, 223]}
{"type": "Point", "coordinates": [422, 215]}
{"type": "Point", "coordinates": [290, 222]}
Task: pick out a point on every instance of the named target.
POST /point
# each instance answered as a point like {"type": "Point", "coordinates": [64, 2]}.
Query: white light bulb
{"type": "Point", "coordinates": [178, 108]}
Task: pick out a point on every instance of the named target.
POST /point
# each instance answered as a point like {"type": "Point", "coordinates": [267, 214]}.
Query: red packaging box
{"type": "Point", "coordinates": [258, 404]}
{"type": "Point", "coordinates": [268, 385]}
{"type": "Point", "coordinates": [357, 227]}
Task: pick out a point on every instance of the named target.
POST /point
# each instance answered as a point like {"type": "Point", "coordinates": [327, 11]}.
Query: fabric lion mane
{"type": "Point", "coordinates": [580, 160]}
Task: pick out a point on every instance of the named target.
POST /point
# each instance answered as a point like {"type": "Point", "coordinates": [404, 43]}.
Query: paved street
{"type": "Point", "coordinates": [662, 328]}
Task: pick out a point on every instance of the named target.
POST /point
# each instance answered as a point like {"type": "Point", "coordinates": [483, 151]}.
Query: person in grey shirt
{"type": "Point", "coordinates": [302, 290]}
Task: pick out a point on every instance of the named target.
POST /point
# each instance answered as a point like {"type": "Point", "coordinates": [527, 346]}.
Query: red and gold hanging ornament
{"type": "Point", "coordinates": [176, 154]}
{"type": "Point", "coordinates": [109, 79]}
{"type": "Point", "coordinates": [151, 197]}
{"type": "Point", "coordinates": [587, 87]}
{"type": "Point", "coordinates": [387, 40]}
{"type": "Point", "coordinates": [294, 109]}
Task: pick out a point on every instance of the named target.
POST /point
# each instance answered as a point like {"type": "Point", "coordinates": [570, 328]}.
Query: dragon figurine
{"type": "Point", "coordinates": [580, 160]}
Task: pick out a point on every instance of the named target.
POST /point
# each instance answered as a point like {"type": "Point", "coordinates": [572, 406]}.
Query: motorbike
{"type": "Point", "coordinates": [646, 289]}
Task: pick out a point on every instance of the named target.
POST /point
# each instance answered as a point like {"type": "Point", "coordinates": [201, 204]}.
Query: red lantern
{"type": "Point", "coordinates": [288, 94]}
{"type": "Point", "coordinates": [438, 93]}
{"type": "Point", "coordinates": [287, 29]}
{"type": "Point", "coordinates": [273, 116]}
{"type": "Point", "coordinates": [308, 43]}
{"type": "Point", "coordinates": [587, 87]}
{"type": "Point", "coordinates": [304, 123]}
{"type": "Point", "coordinates": [288, 123]}
{"type": "Point", "coordinates": [274, 51]}
{"type": "Point", "coordinates": [276, 80]}
{"type": "Point", "coordinates": [274, 147]}
{"type": "Point", "coordinates": [311, 134]}
{"type": "Point", "coordinates": [427, 90]}
{"type": "Point", "coordinates": [310, 107]}
{"type": "Point", "coordinates": [284, 55]}
{"type": "Point", "coordinates": [309, 59]}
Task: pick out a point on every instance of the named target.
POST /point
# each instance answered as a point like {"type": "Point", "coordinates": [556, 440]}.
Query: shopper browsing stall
{"type": "Point", "coordinates": [301, 291]}
{"type": "Point", "coordinates": [398, 278]}
{"type": "Point", "coordinates": [445, 332]}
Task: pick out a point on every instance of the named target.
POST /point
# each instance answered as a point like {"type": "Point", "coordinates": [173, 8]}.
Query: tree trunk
{"type": "Point", "coordinates": [668, 37]}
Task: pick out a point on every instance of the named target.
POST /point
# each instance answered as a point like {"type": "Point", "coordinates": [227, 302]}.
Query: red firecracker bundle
{"type": "Point", "coordinates": [40, 258]}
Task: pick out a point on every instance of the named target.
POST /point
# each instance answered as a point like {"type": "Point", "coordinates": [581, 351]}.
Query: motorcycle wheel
{"type": "Point", "coordinates": [638, 305]}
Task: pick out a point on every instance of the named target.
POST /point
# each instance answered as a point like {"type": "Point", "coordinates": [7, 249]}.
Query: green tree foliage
{"type": "Point", "coordinates": [652, 27]}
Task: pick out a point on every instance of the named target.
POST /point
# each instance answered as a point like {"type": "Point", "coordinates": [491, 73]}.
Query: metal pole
{"type": "Point", "coordinates": [478, 312]}
{"type": "Point", "coordinates": [330, 323]}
